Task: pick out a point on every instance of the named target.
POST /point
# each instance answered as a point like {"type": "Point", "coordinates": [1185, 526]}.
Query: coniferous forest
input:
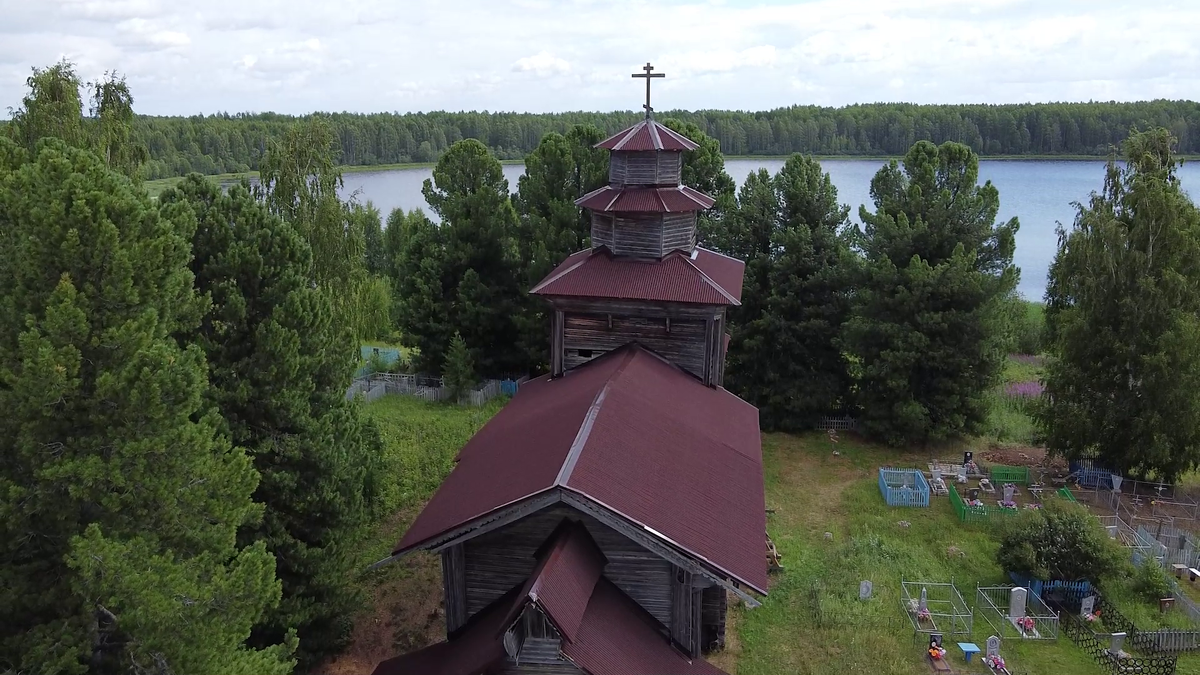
{"type": "Point", "coordinates": [185, 487]}
{"type": "Point", "coordinates": [229, 143]}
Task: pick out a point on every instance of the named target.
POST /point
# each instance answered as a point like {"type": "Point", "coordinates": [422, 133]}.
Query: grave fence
{"type": "Point", "coordinates": [1081, 634]}
{"type": "Point", "coordinates": [836, 423]}
{"type": "Point", "coordinates": [996, 604]}
{"type": "Point", "coordinates": [431, 389]}
{"type": "Point", "coordinates": [944, 609]}
{"type": "Point", "coordinates": [1001, 474]}
{"type": "Point", "coordinates": [976, 514]}
{"type": "Point", "coordinates": [903, 487]}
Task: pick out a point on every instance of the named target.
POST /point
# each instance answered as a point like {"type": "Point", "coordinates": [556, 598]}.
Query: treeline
{"type": "Point", "coordinates": [224, 143]}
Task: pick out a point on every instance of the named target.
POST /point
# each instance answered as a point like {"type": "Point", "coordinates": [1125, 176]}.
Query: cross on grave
{"type": "Point", "coordinates": [648, 75]}
{"type": "Point", "coordinates": [864, 590]}
{"type": "Point", "coordinates": [993, 646]}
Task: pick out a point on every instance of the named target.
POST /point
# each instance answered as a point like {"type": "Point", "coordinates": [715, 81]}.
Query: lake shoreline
{"type": "Point", "coordinates": [159, 184]}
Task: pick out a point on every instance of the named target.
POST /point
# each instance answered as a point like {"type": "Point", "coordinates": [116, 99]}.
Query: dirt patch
{"type": "Point", "coordinates": [1029, 456]}
{"type": "Point", "coordinates": [405, 614]}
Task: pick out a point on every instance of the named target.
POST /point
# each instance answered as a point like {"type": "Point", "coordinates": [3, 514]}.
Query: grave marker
{"type": "Point", "coordinates": [1009, 491]}
{"type": "Point", "coordinates": [967, 457]}
{"type": "Point", "coordinates": [993, 646]}
{"type": "Point", "coordinates": [864, 590]}
{"type": "Point", "coordinates": [1016, 603]}
{"type": "Point", "coordinates": [923, 603]}
{"type": "Point", "coordinates": [1088, 606]}
{"type": "Point", "coordinates": [1118, 641]}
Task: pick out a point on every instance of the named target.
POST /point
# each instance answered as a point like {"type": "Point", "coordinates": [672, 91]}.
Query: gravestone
{"type": "Point", "coordinates": [1116, 482]}
{"type": "Point", "coordinates": [935, 639]}
{"type": "Point", "coordinates": [923, 603]}
{"type": "Point", "coordinates": [864, 590]}
{"type": "Point", "coordinates": [973, 494]}
{"type": "Point", "coordinates": [967, 457]}
{"type": "Point", "coordinates": [993, 646]}
{"type": "Point", "coordinates": [1016, 603]}
{"type": "Point", "coordinates": [1009, 491]}
{"type": "Point", "coordinates": [1118, 641]}
{"type": "Point", "coordinates": [962, 474]}
{"type": "Point", "coordinates": [1088, 606]}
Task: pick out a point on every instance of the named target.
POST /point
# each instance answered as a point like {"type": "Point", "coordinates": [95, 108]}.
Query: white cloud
{"type": "Point", "coordinates": [544, 64]}
{"type": "Point", "coordinates": [538, 55]}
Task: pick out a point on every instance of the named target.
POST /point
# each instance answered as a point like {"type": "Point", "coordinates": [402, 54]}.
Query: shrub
{"type": "Point", "coordinates": [1151, 581]}
{"type": "Point", "coordinates": [1059, 541]}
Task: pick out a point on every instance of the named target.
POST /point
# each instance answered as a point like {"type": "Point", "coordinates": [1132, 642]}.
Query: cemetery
{"type": "Point", "coordinates": [1012, 611]}
{"type": "Point", "coordinates": [935, 608]}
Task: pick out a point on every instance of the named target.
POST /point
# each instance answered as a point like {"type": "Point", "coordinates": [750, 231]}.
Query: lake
{"type": "Point", "coordinates": [1039, 193]}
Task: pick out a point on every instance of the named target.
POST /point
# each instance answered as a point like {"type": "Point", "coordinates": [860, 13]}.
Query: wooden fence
{"type": "Point", "coordinates": [843, 423]}
{"type": "Point", "coordinates": [432, 389]}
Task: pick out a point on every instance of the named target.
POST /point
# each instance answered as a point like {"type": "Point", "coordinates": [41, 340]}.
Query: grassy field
{"type": "Point", "coordinates": [813, 621]}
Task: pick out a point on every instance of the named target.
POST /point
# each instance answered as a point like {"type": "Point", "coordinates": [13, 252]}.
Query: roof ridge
{"type": "Point", "coordinates": [710, 281]}
{"type": "Point", "coordinates": [585, 428]}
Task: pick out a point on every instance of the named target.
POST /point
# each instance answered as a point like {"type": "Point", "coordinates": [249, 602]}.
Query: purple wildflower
{"type": "Point", "coordinates": [1027, 389]}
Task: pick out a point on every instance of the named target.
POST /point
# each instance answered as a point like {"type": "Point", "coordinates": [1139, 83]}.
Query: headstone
{"type": "Point", "coordinates": [1088, 606]}
{"type": "Point", "coordinates": [973, 494]}
{"type": "Point", "coordinates": [1116, 481]}
{"type": "Point", "coordinates": [967, 457]}
{"type": "Point", "coordinates": [993, 646]}
{"type": "Point", "coordinates": [864, 590]}
{"type": "Point", "coordinates": [1016, 603]}
{"type": "Point", "coordinates": [1009, 491]}
{"type": "Point", "coordinates": [923, 603]}
{"type": "Point", "coordinates": [962, 474]}
{"type": "Point", "coordinates": [1118, 641]}
{"type": "Point", "coordinates": [935, 639]}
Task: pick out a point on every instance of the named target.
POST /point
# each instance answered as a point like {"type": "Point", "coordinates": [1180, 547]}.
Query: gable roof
{"type": "Point", "coordinates": [569, 564]}
{"type": "Point", "coordinates": [676, 199]}
{"type": "Point", "coordinates": [677, 277]}
{"type": "Point", "coordinates": [618, 637]}
{"type": "Point", "coordinates": [647, 135]}
{"type": "Point", "coordinates": [636, 436]}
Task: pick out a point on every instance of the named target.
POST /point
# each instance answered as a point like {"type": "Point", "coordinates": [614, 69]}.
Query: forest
{"type": "Point", "coordinates": [230, 143]}
{"type": "Point", "coordinates": [187, 489]}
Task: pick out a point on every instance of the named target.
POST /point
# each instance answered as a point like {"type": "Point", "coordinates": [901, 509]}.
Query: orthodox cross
{"type": "Point", "coordinates": [648, 75]}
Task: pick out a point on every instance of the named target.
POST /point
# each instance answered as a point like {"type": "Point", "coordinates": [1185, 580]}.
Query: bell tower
{"type": "Point", "coordinates": [644, 280]}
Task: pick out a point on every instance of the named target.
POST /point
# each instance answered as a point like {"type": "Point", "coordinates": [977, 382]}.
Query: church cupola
{"type": "Point", "coordinates": [645, 211]}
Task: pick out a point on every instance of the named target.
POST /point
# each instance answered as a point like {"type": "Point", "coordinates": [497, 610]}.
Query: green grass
{"type": "Point", "coordinates": [1008, 419]}
{"type": "Point", "coordinates": [813, 493]}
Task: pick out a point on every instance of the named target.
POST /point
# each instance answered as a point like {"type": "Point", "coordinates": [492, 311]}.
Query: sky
{"type": "Point", "coordinates": [184, 57]}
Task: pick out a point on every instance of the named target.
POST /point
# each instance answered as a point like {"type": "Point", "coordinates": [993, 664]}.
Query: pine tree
{"type": "Point", "coordinates": [468, 280]}
{"type": "Point", "coordinates": [926, 329]}
{"type": "Point", "coordinates": [785, 355]}
{"type": "Point", "coordinates": [110, 455]}
{"type": "Point", "coordinates": [1123, 317]}
{"type": "Point", "coordinates": [704, 170]}
{"type": "Point", "coordinates": [459, 375]}
{"type": "Point", "coordinates": [550, 227]}
{"type": "Point", "coordinates": [280, 365]}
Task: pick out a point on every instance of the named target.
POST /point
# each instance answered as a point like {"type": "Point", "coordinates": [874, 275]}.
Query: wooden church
{"type": "Point", "coordinates": [599, 522]}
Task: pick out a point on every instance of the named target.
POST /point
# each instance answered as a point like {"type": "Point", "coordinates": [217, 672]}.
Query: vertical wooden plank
{"type": "Point", "coordinates": [694, 623]}
{"type": "Point", "coordinates": [681, 609]}
{"type": "Point", "coordinates": [454, 587]}
{"type": "Point", "coordinates": [556, 344]}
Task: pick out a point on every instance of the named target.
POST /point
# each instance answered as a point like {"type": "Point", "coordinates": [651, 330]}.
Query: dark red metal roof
{"type": "Point", "coordinates": [634, 434]}
{"type": "Point", "coordinates": [726, 271]}
{"type": "Point", "coordinates": [569, 564]}
{"type": "Point", "coordinates": [618, 637]}
{"type": "Point", "coordinates": [647, 135]}
{"type": "Point", "coordinates": [609, 199]}
{"type": "Point", "coordinates": [677, 277]}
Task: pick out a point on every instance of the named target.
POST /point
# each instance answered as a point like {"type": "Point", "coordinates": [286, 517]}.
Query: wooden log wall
{"type": "Point", "coordinates": [602, 230]}
{"type": "Point", "coordinates": [503, 558]}
{"type": "Point", "coordinates": [454, 587]}
{"type": "Point", "coordinates": [679, 231]}
{"type": "Point", "coordinates": [638, 235]}
{"type": "Point", "coordinates": [645, 168]}
{"type": "Point", "coordinates": [685, 605]}
{"type": "Point", "coordinates": [680, 341]}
